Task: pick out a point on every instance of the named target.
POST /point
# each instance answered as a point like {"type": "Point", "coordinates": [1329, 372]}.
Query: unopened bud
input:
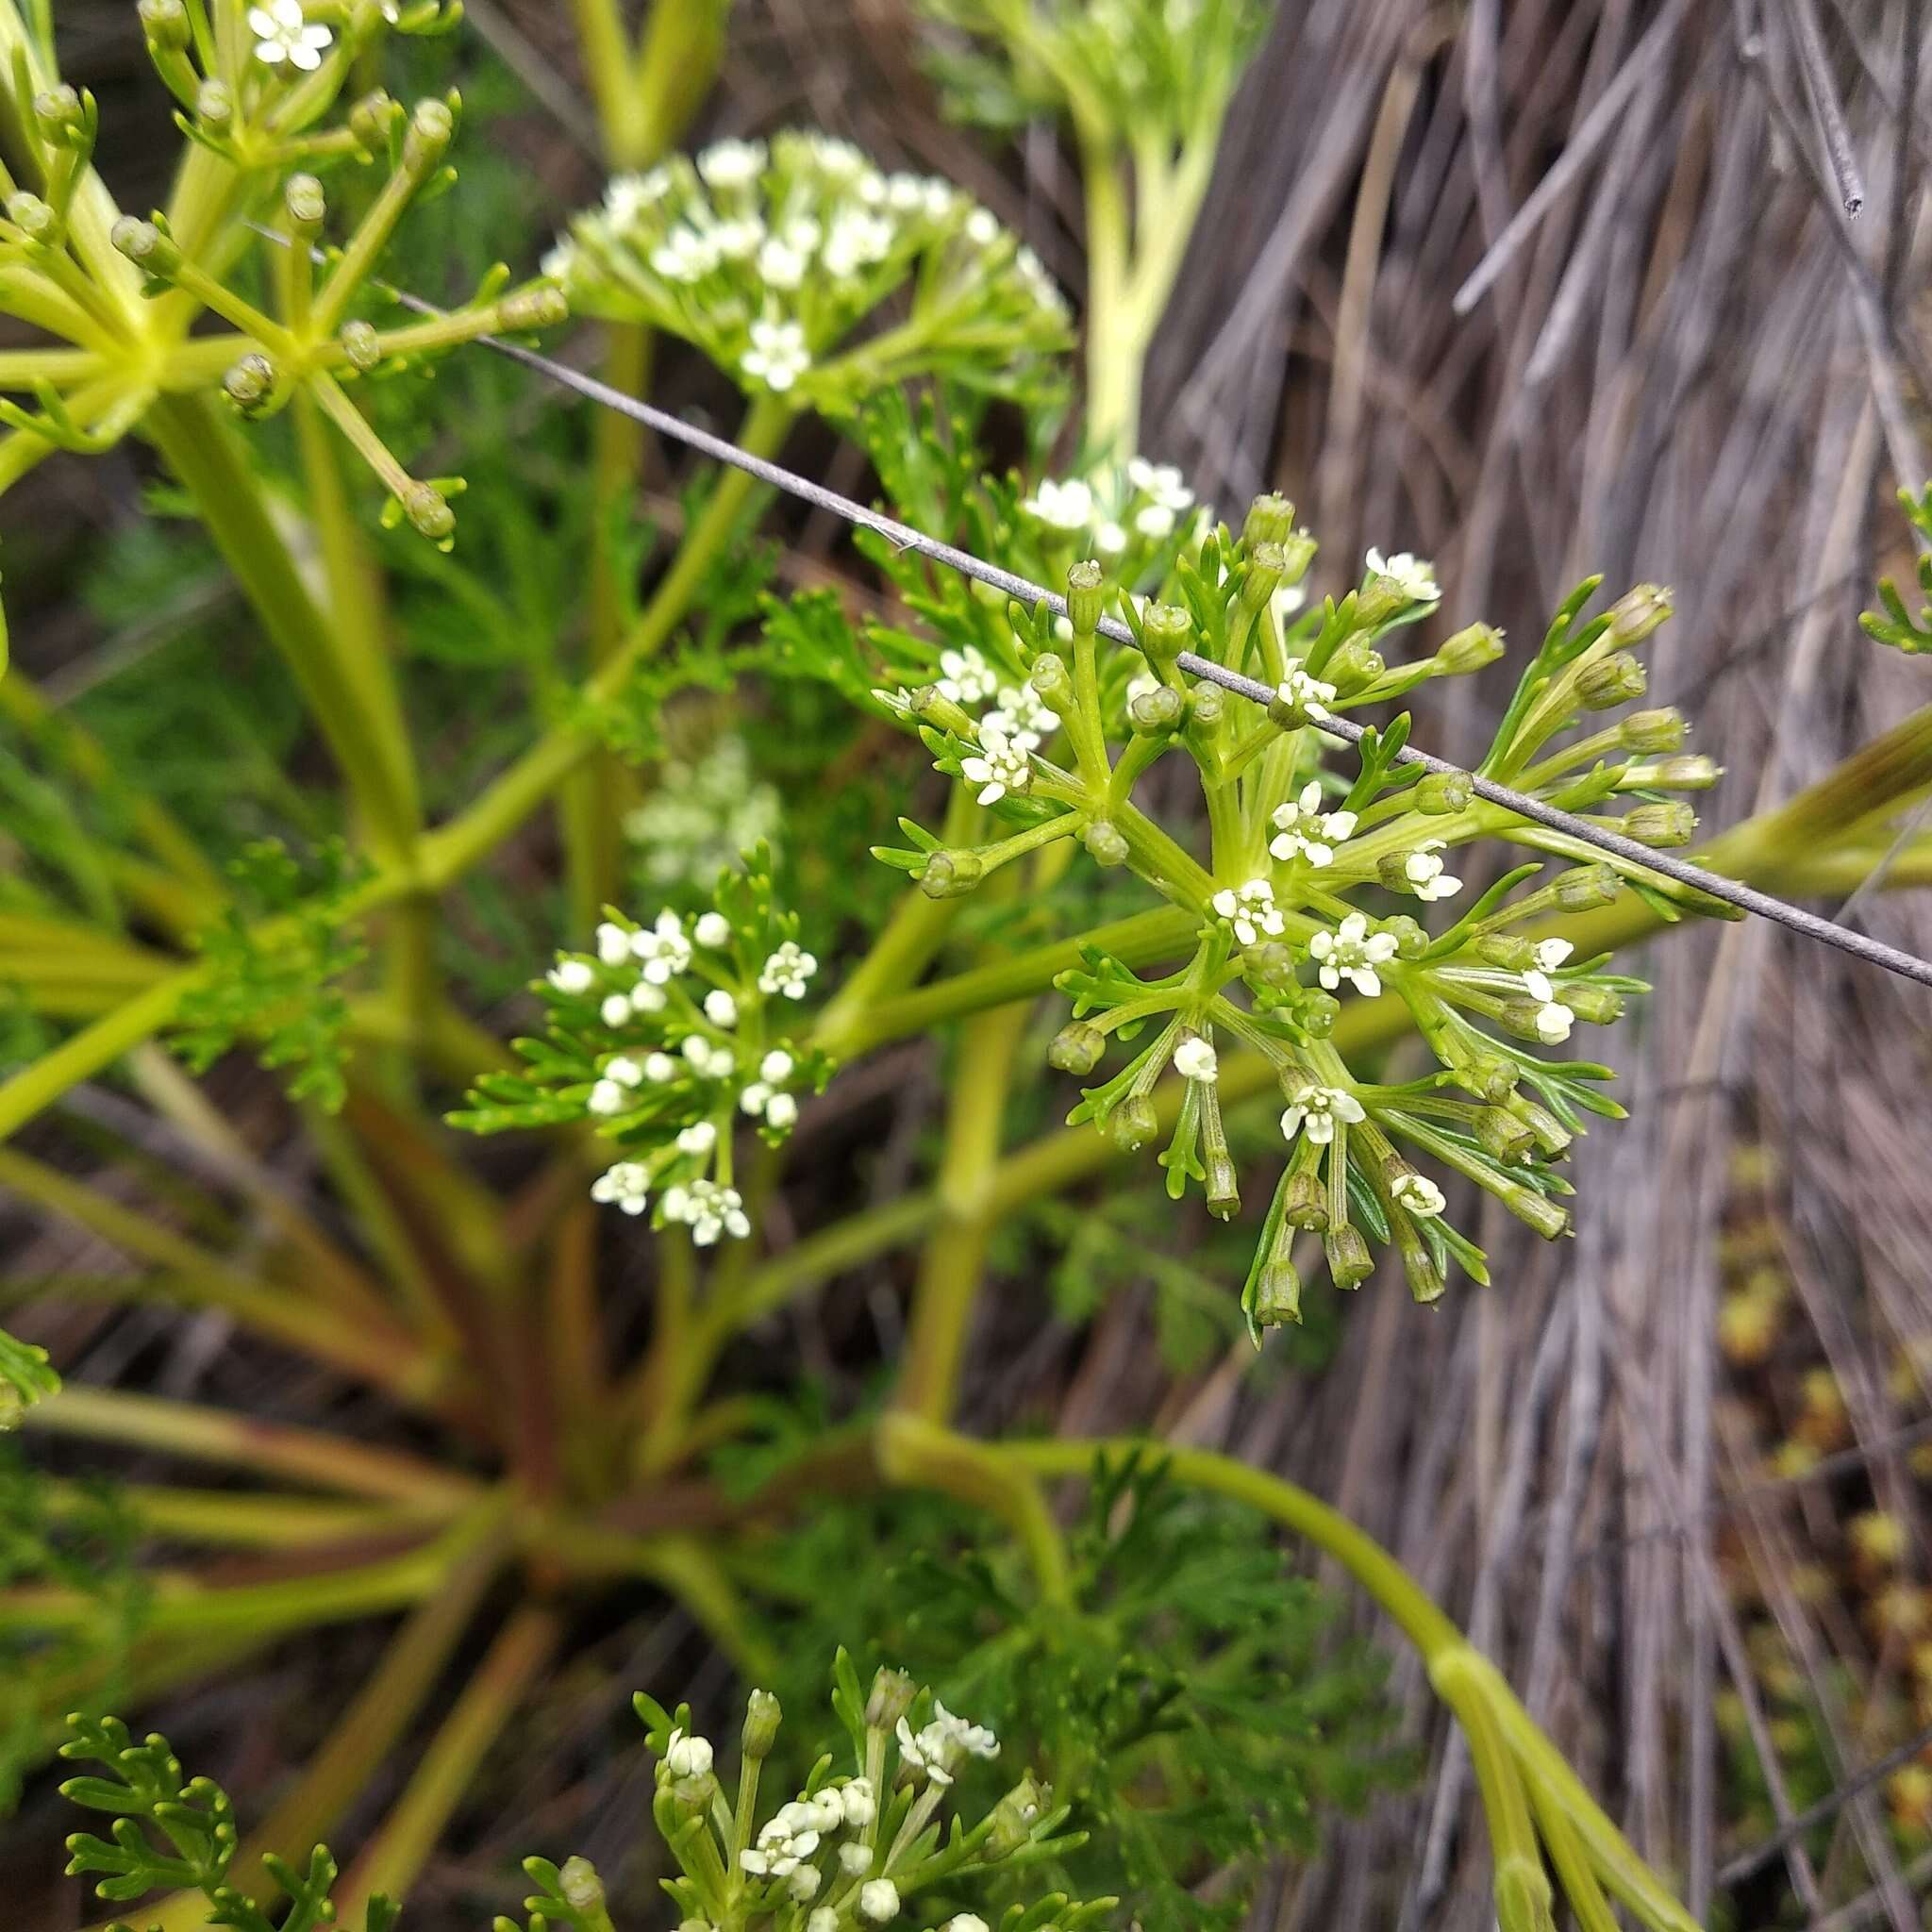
{"type": "Point", "coordinates": [1265, 565]}
{"type": "Point", "coordinates": [1503, 1136]}
{"type": "Point", "coordinates": [890, 1699]}
{"type": "Point", "coordinates": [1297, 552]}
{"type": "Point", "coordinates": [164, 23]}
{"type": "Point", "coordinates": [1166, 631]}
{"type": "Point", "coordinates": [1305, 1201]}
{"type": "Point", "coordinates": [1694, 772]}
{"type": "Point", "coordinates": [1611, 681]}
{"type": "Point", "coordinates": [1270, 963]}
{"type": "Point", "coordinates": [1086, 595]}
{"type": "Point", "coordinates": [1153, 713]}
{"type": "Point", "coordinates": [761, 1719]}
{"type": "Point", "coordinates": [145, 245]}
{"type": "Point", "coordinates": [1012, 1819]}
{"type": "Point", "coordinates": [1354, 668]}
{"type": "Point", "coordinates": [1412, 938]}
{"type": "Point", "coordinates": [1636, 613]}
{"type": "Point", "coordinates": [1318, 1014]}
{"type": "Point", "coordinates": [1509, 950]}
{"type": "Point", "coordinates": [1133, 1123]}
{"type": "Point", "coordinates": [31, 216]}
{"type": "Point", "coordinates": [214, 105]}
{"type": "Point", "coordinates": [1651, 732]}
{"type": "Point", "coordinates": [1583, 887]}
{"type": "Point", "coordinates": [1380, 599]}
{"type": "Point", "coordinates": [1439, 793]}
{"type": "Point", "coordinates": [1269, 519]}
{"type": "Point", "coordinates": [1105, 841]}
{"type": "Point", "coordinates": [578, 1881]}
{"type": "Point", "coordinates": [1277, 1297]}
{"type": "Point", "coordinates": [1051, 678]}
{"type": "Point", "coordinates": [947, 874]}
{"type": "Point", "coordinates": [370, 120]}
{"type": "Point", "coordinates": [1659, 825]}
{"type": "Point", "coordinates": [361, 344]}
{"type": "Point", "coordinates": [60, 116]}
{"type": "Point", "coordinates": [250, 382]}
{"type": "Point", "coordinates": [1599, 1005]}
{"type": "Point", "coordinates": [1076, 1047]}
{"type": "Point", "coordinates": [1207, 704]}
{"type": "Point", "coordinates": [1470, 649]}
{"type": "Point", "coordinates": [1223, 1188]}
{"type": "Point", "coordinates": [1350, 1263]}
{"type": "Point", "coordinates": [432, 128]}
{"type": "Point", "coordinates": [302, 199]}
{"type": "Point", "coordinates": [428, 511]}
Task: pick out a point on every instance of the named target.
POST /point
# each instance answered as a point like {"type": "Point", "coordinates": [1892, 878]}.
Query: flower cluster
{"type": "Point", "coordinates": [701, 815]}
{"type": "Point", "coordinates": [855, 1847]}
{"type": "Point", "coordinates": [1314, 879]}
{"type": "Point", "coordinates": [666, 1038]}
{"type": "Point", "coordinates": [774, 258]}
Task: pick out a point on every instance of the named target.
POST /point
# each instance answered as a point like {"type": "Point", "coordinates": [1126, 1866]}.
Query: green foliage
{"type": "Point", "coordinates": [27, 1377]}
{"type": "Point", "coordinates": [275, 961]}
{"type": "Point", "coordinates": [1897, 625]}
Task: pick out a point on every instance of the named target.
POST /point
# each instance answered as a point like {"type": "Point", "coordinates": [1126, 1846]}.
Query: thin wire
{"type": "Point", "coordinates": [904, 537]}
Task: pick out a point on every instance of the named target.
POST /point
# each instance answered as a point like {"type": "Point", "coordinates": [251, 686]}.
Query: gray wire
{"type": "Point", "coordinates": [904, 537]}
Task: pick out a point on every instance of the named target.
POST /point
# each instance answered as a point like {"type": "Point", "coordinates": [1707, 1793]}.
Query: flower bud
{"type": "Point", "coordinates": [890, 1699]}
{"type": "Point", "coordinates": [1013, 1817]}
{"type": "Point", "coordinates": [1086, 595]}
{"type": "Point", "coordinates": [1354, 668]}
{"type": "Point", "coordinates": [1651, 732]}
{"type": "Point", "coordinates": [1509, 950]}
{"type": "Point", "coordinates": [1270, 963]}
{"type": "Point", "coordinates": [1166, 630]}
{"type": "Point", "coordinates": [578, 1881]}
{"type": "Point", "coordinates": [145, 245]}
{"type": "Point", "coordinates": [1552, 1137]}
{"type": "Point", "coordinates": [60, 116]}
{"type": "Point", "coordinates": [1269, 519]}
{"type": "Point", "coordinates": [1105, 841]}
{"type": "Point", "coordinates": [1224, 1187]}
{"type": "Point", "coordinates": [1489, 1075]}
{"type": "Point", "coordinates": [1207, 703]}
{"type": "Point", "coordinates": [1411, 939]}
{"type": "Point", "coordinates": [1470, 649]}
{"type": "Point", "coordinates": [164, 23]}
{"type": "Point", "coordinates": [1297, 552]}
{"type": "Point", "coordinates": [1611, 681]}
{"type": "Point", "coordinates": [1599, 1005]}
{"type": "Point", "coordinates": [1583, 887]}
{"type": "Point", "coordinates": [948, 875]}
{"type": "Point", "coordinates": [1133, 1123]}
{"type": "Point", "coordinates": [761, 1719]}
{"type": "Point", "coordinates": [32, 216]}
{"type": "Point", "coordinates": [1636, 613]}
{"type": "Point", "coordinates": [1503, 1136]}
{"type": "Point", "coordinates": [532, 308]}
{"type": "Point", "coordinates": [1439, 793]}
{"type": "Point", "coordinates": [1076, 1047]}
{"type": "Point", "coordinates": [428, 511]}
{"type": "Point", "coordinates": [1659, 825]}
{"type": "Point", "coordinates": [1694, 772]}
{"type": "Point", "coordinates": [932, 705]}
{"type": "Point", "coordinates": [1277, 1298]}
{"type": "Point", "coordinates": [1379, 600]}
{"type": "Point", "coordinates": [1318, 1013]}
{"type": "Point", "coordinates": [1350, 1263]}
{"type": "Point", "coordinates": [370, 120]}
{"type": "Point", "coordinates": [361, 344]}
{"type": "Point", "coordinates": [214, 105]}
{"type": "Point", "coordinates": [1051, 678]}
{"type": "Point", "coordinates": [250, 382]}
{"type": "Point", "coordinates": [432, 128]}
{"type": "Point", "coordinates": [1153, 713]}
{"type": "Point", "coordinates": [1305, 1201]}
{"type": "Point", "coordinates": [302, 201]}
{"type": "Point", "coordinates": [1265, 565]}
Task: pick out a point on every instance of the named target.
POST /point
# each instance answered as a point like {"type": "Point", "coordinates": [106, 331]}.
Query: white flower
{"type": "Point", "coordinates": [1163, 482]}
{"type": "Point", "coordinates": [1552, 1019]}
{"type": "Point", "coordinates": [1549, 953]}
{"type": "Point", "coordinates": [281, 34]}
{"type": "Point", "coordinates": [625, 1186]}
{"type": "Point", "coordinates": [804, 1884]}
{"type": "Point", "coordinates": [624, 1071]}
{"type": "Point", "coordinates": [1067, 505]}
{"type": "Point", "coordinates": [646, 998]}
{"type": "Point", "coordinates": [605, 1097]}
{"type": "Point", "coordinates": [786, 971]}
{"type": "Point", "coordinates": [777, 355]}
{"type": "Point", "coordinates": [1419, 1194]}
{"type": "Point", "coordinates": [1352, 952]}
{"type": "Point", "coordinates": [1286, 600]}
{"type": "Point", "coordinates": [755, 1098]}
{"type": "Point", "coordinates": [708, 1210]}
{"type": "Point", "coordinates": [613, 944]}
{"type": "Point", "coordinates": [782, 267]}
{"type": "Point", "coordinates": [1023, 718]}
{"type": "Point", "coordinates": [738, 239]}
{"type": "Point", "coordinates": [781, 1112]}
{"type": "Point", "coordinates": [823, 1920]}
{"type": "Point", "coordinates": [858, 1802]}
{"type": "Point", "coordinates": [1250, 911]}
{"type": "Point", "coordinates": [685, 255]}
{"type": "Point", "coordinates": [663, 948]}
{"type": "Point", "coordinates": [1001, 766]}
{"type": "Point", "coordinates": [615, 1010]}
{"type": "Point", "coordinates": [1154, 523]}
{"type": "Point", "coordinates": [659, 1068]}
{"type": "Point", "coordinates": [720, 1009]}
{"type": "Point", "coordinates": [856, 1858]}
{"type": "Point", "coordinates": [712, 930]}
{"type": "Point", "coordinates": [965, 676]}
{"type": "Point", "coordinates": [785, 1841]}
{"type": "Point", "coordinates": [571, 975]}
{"type": "Point", "coordinates": [686, 1756]}
{"type": "Point", "coordinates": [1309, 695]}
{"type": "Point", "coordinates": [699, 1138]}
{"type": "Point", "coordinates": [1195, 1058]}
{"type": "Point", "coordinates": [708, 1062]}
{"type": "Point", "coordinates": [731, 163]}
{"type": "Point", "coordinates": [857, 241]}
{"type": "Point", "coordinates": [628, 196]}
{"type": "Point", "coordinates": [1110, 538]}
{"type": "Point", "coordinates": [1316, 1111]}
{"type": "Point", "coordinates": [1423, 870]}
{"type": "Point", "coordinates": [776, 1066]}
{"type": "Point", "coordinates": [1309, 832]}
{"type": "Point", "coordinates": [914, 1756]}
{"type": "Point", "coordinates": [966, 1922]}
{"type": "Point", "coordinates": [878, 1899]}
{"type": "Point", "coordinates": [1414, 577]}
{"type": "Point", "coordinates": [982, 227]}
